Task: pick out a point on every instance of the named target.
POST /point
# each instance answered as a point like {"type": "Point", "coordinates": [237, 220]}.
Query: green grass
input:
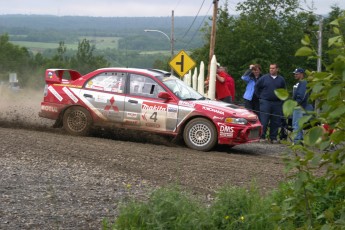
{"type": "Point", "coordinates": [171, 208]}
{"type": "Point", "coordinates": [100, 43]}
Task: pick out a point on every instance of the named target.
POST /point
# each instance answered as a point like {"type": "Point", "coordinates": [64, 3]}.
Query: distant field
{"type": "Point", "coordinates": [99, 42]}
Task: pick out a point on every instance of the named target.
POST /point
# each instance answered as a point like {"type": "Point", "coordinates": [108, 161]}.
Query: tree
{"type": "Point", "coordinates": [13, 58]}
{"type": "Point", "coordinates": [84, 61]}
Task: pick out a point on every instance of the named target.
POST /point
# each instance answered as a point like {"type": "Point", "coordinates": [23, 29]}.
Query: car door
{"type": "Point", "coordinates": [144, 109]}
{"type": "Point", "coordinates": [104, 95]}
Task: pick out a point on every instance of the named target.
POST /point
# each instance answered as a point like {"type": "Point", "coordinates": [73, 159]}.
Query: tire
{"type": "Point", "coordinates": [77, 121]}
{"type": "Point", "coordinates": [200, 134]}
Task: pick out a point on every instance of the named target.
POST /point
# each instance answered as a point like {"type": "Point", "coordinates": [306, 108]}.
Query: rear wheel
{"type": "Point", "coordinates": [200, 134]}
{"type": "Point", "coordinates": [77, 121]}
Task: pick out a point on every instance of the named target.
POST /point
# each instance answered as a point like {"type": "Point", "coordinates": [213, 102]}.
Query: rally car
{"type": "Point", "coordinates": [143, 99]}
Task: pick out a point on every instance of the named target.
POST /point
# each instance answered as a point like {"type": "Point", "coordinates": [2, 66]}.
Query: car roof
{"type": "Point", "coordinates": [155, 72]}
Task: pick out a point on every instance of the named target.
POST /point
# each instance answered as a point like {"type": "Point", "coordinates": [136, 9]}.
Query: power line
{"type": "Point", "coordinates": [202, 22]}
{"type": "Point", "coordinates": [194, 19]}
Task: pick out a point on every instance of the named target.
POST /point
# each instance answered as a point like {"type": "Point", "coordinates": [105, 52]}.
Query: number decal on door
{"type": "Point", "coordinates": [154, 117]}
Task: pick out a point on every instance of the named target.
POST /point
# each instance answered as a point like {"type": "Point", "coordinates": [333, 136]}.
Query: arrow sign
{"type": "Point", "coordinates": [182, 63]}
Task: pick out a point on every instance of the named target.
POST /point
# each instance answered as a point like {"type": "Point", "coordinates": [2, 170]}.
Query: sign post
{"type": "Point", "coordinates": [182, 63]}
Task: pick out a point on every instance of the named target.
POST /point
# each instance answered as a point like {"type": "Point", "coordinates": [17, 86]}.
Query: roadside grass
{"type": "Point", "coordinates": [232, 208]}
{"type": "Point", "coordinates": [171, 208]}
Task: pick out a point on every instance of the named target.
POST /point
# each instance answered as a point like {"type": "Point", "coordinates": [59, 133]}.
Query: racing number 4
{"type": "Point", "coordinates": [154, 116]}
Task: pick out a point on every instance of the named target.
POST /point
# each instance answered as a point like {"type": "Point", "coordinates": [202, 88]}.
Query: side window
{"type": "Point", "coordinates": [144, 86]}
{"type": "Point", "coordinates": [108, 81]}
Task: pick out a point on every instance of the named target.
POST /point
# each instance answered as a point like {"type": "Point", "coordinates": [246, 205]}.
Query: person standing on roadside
{"type": "Point", "coordinates": [230, 82]}
{"type": "Point", "coordinates": [223, 92]}
{"type": "Point", "coordinates": [225, 85]}
{"type": "Point", "coordinates": [251, 101]}
{"type": "Point", "coordinates": [301, 96]}
{"type": "Point", "coordinates": [270, 104]}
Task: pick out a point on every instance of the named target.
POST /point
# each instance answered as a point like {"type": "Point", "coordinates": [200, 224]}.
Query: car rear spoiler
{"type": "Point", "coordinates": [56, 76]}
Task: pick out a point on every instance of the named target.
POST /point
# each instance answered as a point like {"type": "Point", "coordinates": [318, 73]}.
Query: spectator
{"type": "Point", "coordinates": [230, 82]}
{"type": "Point", "coordinates": [251, 101]}
{"type": "Point", "coordinates": [270, 104]}
{"type": "Point", "coordinates": [301, 96]}
{"type": "Point", "coordinates": [223, 81]}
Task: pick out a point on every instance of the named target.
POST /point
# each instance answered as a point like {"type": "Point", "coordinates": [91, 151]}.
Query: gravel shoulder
{"type": "Point", "coordinates": [50, 180]}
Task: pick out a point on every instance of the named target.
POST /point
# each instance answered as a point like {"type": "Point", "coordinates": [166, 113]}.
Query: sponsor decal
{"type": "Point", "coordinates": [213, 110]}
{"type": "Point", "coordinates": [132, 122]}
{"type": "Point", "coordinates": [49, 108]}
{"type": "Point", "coordinates": [143, 116]}
{"type": "Point", "coordinates": [153, 115]}
{"type": "Point", "coordinates": [218, 118]}
{"type": "Point", "coordinates": [226, 131]}
{"type": "Point", "coordinates": [112, 107]}
{"type": "Point", "coordinates": [153, 125]}
{"type": "Point", "coordinates": [131, 115]}
{"type": "Point", "coordinates": [153, 107]}
{"type": "Point", "coordinates": [100, 98]}
{"type": "Point", "coordinates": [186, 103]}
{"type": "Point", "coordinates": [68, 85]}
{"type": "Point", "coordinates": [98, 87]}
{"type": "Point", "coordinates": [70, 94]}
{"type": "Point", "coordinates": [55, 93]}
{"type": "Point", "coordinates": [172, 112]}
{"type": "Point", "coordinates": [50, 75]}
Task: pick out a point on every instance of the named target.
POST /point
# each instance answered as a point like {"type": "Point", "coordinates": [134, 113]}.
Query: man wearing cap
{"type": "Point", "coordinates": [301, 96]}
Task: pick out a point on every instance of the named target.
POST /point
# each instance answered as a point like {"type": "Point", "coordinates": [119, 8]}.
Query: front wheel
{"type": "Point", "coordinates": [77, 121]}
{"type": "Point", "coordinates": [200, 134]}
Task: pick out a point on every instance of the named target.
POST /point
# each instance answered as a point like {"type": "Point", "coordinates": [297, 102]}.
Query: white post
{"type": "Point", "coordinates": [189, 78]}
{"type": "Point", "coordinates": [201, 79]}
{"type": "Point", "coordinates": [195, 78]}
{"type": "Point", "coordinates": [212, 82]}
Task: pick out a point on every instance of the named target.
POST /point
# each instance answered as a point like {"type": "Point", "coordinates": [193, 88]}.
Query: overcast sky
{"type": "Point", "coordinates": [132, 8]}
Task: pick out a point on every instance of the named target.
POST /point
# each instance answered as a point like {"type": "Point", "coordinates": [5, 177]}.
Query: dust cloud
{"type": "Point", "coordinates": [19, 109]}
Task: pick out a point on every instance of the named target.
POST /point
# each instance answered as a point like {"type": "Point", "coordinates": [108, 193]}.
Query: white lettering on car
{"type": "Point", "coordinates": [226, 131]}
{"type": "Point", "coordinates": [154, 107]}
{"type": "Point", "coordinates": [213, 110]}
{"type": "Point", "coordinates": [49, 108]}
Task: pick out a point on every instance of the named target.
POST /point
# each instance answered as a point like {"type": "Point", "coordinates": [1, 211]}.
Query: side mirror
{"type": "Point", "coordinates": [164, 95]}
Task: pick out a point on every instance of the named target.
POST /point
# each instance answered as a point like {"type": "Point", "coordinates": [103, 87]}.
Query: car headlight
{"type": "Point", "coordinates": [233, 120]}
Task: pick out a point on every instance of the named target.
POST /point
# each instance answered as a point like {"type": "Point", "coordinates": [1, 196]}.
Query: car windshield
{"type": "Point", "coordinates": [181, 90]}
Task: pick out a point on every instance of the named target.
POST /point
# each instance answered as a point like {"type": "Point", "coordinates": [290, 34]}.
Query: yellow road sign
{"type": "Point", "coordinates": [182, 63]}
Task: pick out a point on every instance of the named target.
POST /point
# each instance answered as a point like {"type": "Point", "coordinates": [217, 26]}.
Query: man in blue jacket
{"type": "Point", "coordinates": [301, 96]}
{"type": "Point", "coordinates": [270, 105]}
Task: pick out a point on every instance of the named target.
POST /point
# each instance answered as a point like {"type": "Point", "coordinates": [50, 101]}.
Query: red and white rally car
{"type": "Point", "coordinates": [144, 99]}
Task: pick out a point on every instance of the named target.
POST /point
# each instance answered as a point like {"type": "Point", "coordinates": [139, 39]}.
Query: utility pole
{"type": "Point", "coordinates": [172, 39]}
{"type": "Point", "coordinates": [213, 33]}
{"type": "Point", "coordinates": [319, 48]}
{"type": "Point", "coordinates": [319, 57]}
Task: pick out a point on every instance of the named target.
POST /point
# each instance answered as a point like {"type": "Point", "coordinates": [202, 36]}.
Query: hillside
{"type": "Point", "coordinates": [47, 28]}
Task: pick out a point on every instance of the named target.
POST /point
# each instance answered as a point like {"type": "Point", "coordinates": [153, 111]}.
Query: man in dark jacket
{"type": "Point", "coordinates": [301, 96]}
{"type": "Point", "coordinates": [270, 104]}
